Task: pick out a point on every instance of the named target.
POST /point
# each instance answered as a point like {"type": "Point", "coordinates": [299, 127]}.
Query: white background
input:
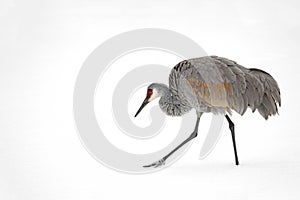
{"type": "Point", "coordinates": [43, 45]}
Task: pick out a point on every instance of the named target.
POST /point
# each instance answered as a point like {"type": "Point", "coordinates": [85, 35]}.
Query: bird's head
{"type": "Point", "coordinates": [154, 91]}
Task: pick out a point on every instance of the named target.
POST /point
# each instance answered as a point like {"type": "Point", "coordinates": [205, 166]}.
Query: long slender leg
{"type": "Point", "coordinates": [231, 127]}
{"type": "Point", "coordinates": [192, 136]}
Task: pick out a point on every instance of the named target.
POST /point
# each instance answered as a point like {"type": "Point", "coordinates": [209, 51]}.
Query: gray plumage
{"type": "Point", "coordinates": [218, 85]}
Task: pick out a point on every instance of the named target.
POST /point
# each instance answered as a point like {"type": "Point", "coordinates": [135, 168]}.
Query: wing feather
{"type": "Point", "coordinates": [216, 84]}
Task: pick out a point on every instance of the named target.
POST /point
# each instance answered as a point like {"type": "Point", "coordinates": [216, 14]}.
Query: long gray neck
{"type": "Point", "coordinates": [172, 104]}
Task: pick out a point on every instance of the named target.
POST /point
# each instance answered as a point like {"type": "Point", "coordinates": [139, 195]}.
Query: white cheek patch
{"type": "Point", "coordinates": [154, 95]}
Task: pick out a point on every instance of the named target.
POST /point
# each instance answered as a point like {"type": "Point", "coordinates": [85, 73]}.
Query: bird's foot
{"type": "Point", "coordinates": [159, 163]}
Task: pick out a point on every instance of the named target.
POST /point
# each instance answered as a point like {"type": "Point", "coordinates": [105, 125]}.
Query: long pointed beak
{"type": "Point", "coordinates": [142, 106]}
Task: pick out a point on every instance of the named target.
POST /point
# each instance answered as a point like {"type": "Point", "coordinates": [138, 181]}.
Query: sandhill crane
{"type": "Point", "coordinates": [215, 85]}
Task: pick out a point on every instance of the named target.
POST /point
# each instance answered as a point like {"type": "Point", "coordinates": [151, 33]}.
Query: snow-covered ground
{"type": "Point", "coordinates": [43, 45]}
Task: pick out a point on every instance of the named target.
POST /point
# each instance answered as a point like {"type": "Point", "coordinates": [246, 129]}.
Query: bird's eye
{"type": "Point", "coordinates": [149, 93]}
